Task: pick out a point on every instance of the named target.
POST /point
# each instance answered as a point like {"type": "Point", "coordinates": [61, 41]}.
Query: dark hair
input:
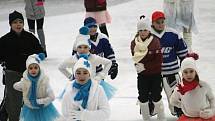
{"type": "Point", "coordinates": [196, 77]}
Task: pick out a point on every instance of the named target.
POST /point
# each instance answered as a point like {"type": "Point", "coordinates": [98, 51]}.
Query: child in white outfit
{"type": "Point", "coordinates": [84, 99]}
{"type": "Point", "coordinates": [37, 93]}
{"type": "Point", "coordinates": [193, 96]}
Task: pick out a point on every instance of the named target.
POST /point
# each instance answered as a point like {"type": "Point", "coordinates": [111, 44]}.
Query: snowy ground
{"type": "Point", "coordinates": [62, 29]}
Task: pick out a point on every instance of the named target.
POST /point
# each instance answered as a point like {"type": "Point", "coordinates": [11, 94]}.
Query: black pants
{"type": "Point", "coordinates": [31, 23]}
{"type": "Point", "coordinates": [3, 112]}
{"type": "Point", "coordinates": [13, 100]}
{"type": "Point", "coordinates": [149, 87]}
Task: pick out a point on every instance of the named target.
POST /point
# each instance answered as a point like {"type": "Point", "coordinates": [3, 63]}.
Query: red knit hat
{"type": "Point", "coordinates": [157, 15]}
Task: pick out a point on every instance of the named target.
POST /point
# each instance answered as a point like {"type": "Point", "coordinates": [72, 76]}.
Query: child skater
{"type": "Point", "coordinates": [84, 99]}
{"type": "Point", "coordinates": [193, 95]}
{"type": "Point", "coordinates": [35, 13]}
{"type": "Point", "coordinates": [101, 46]}
{"type": "Point", "coordinates": [98, 10]}
{"type": "Point", "coordinates": [147, 56]}
{"type": "Point", "coordinates": [180, 16]}
{"type": "Point", "coordinates": [37, 93]}
{"type": "Point", "coordinates": [83, 47]}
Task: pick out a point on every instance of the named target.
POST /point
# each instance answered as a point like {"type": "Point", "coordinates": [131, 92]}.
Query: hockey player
{"type": "Point", "coordinates": [174, 50]}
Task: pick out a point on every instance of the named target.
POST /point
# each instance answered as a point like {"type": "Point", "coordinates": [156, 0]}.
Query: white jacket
{"type": "Point", "coordinates": [44, 90]}
{"type": "Point", "coordinates": [194, 101]}
{"type": "Point", "coordinates": [95, 60]}
{"type": "Point", "coordinates": [97, 106]}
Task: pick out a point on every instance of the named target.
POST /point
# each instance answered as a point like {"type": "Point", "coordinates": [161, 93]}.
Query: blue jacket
{"type": "Point", "coordinates": [174, 49]}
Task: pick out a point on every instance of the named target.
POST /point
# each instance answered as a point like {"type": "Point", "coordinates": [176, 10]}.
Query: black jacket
{"type": "Point", "coordinates": [15, 49]}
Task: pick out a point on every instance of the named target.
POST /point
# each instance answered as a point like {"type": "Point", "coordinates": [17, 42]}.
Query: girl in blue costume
{"type": "Point", "coordinates": [37, 93]}
{"type": "Point", "coordinates": [83, 46]}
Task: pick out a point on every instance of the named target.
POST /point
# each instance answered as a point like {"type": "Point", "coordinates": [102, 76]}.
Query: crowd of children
{"type": "Point", "coordinates": [158, 52]}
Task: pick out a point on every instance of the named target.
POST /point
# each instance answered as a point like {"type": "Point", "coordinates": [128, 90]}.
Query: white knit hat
{"type": "Point", "coordinates": [188, 62]}
{"type": "Point", "coordinates": [83, 63]}
{"type": "Point", "coordinates": [143, 24]}
{"type": "Point", "coordinates": [83, 40]}
{"type": "Point", "coordinates": [32, 59]}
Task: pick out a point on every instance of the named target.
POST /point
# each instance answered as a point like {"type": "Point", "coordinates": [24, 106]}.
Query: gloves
{"type": "Point", "coordinates": [45, 101]}
{"type": "Point", "coordinates": [195, 56]}
{"type": "Point", "coordinates": [206, 114]}
{"type": "Point", "coordinates": [139, 67]}
{"type": "Point", "coordinates": [113, 71]}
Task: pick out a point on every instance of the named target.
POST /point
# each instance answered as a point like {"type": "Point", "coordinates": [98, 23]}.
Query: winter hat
{"type": "Point", "coordinates": [84, 30]}
{"type": "Point", "coordinates": [83, 40]}
{"type": "Point", "coordinates": [35, 59]}
{"type": "Point", "coordinates": [157, 15]}
{"type": "Point", "coordinates": [89, 21]}
{"type": "Point", "coordinates": [83, 63]}
{"type": "Point", "coordinates": [15, 15]}
{"type": "Point", "coordinates": [188, 62]}
{"type": "Point", "coordinates": [143, 24]}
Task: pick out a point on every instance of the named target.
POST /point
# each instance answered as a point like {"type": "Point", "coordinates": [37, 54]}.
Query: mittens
{"type": "Point", "coordinates": [206, 114]}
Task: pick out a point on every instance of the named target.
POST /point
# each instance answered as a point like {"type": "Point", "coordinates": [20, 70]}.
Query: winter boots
{"type": "Point", "coordinates": [159, 108]}
{"type": "Point", "coordinates": [145, 111]}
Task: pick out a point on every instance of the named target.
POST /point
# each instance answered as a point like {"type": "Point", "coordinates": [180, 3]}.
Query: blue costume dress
{"type": "Point", "coordinates": [38, 112]}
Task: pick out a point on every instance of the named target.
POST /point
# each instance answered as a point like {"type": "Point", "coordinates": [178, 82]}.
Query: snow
{"type": "Point", "coordinates": [62, 28]}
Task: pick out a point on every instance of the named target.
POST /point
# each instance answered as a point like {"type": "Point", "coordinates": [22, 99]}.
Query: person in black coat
{"type": "Point", "coordinates": [15, 47]}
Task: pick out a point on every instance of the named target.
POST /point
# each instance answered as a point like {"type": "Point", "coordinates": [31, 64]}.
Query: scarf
{"type": "Point", "coordinates": [187, 86]}
{"type": "Point", "coordinates": [83, 92]}
{"type": "Point", "coordinates": [33, 91]}
{"type": "Point", "coordinates": [85, 56]}
{"type": "Point", "coordinates": [141, 48]}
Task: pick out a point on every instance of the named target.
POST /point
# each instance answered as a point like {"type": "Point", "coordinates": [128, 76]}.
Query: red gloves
{"type": "Point", "coordinates": [194, 55]}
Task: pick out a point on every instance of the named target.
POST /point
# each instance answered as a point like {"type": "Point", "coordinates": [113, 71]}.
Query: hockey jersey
{"type": "Point", "coordinates": [173, 49]}
{"type": "Point", "coordinates": [103, 48]}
